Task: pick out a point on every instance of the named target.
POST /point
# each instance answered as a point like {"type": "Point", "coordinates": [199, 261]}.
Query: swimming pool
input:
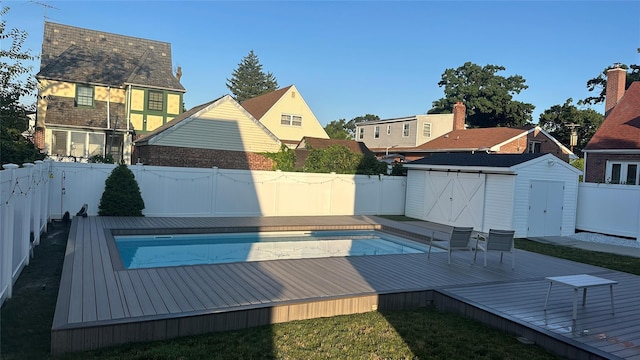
{"type": "Point", "coordinates": [149, 251]}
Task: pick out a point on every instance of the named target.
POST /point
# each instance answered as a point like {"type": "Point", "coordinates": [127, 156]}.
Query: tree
{"type": "Point", "coordinates": [558, 120]}
{"type": "Point", "coordinates": [487, 96]}
{"type": "Point", "coordinates": [346, 130]}
{"type": "Point", "coordinates": [15, 148]}
{"type": "Point", "coordinates": [284, 160]}
{"type": "Point", "coordinates": [121, 196]}
{"type": "Point", "coordinates": [341, 160]}
{"type": "Point", "coordinates": [249, 81]}
{"type": "Point", "coordinates": [339, 129]}
{"type": "Point", "coordinates": [600, 82]}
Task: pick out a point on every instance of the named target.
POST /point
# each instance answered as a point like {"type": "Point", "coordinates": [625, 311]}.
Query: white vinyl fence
{"type": "Point", "coordinates": [176, 191]}
{"type": "Point", "coordinates": [24, 215]}
{"type": "Point", "coordinates": [609, 209]}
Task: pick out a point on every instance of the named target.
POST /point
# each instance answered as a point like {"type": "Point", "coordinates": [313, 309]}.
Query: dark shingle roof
{"type": "Point", "coordinates": [259, 105]}
{"type": "Point", "coordinates": [88, 56]}
{"type": "Point", "coordinates": [620, 130]}
{"type": "Point", "coordinates": [478, 159]}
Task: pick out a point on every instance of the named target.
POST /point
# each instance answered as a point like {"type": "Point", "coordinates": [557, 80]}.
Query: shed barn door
{"type": "Point", "coordinates": [546, 199]}
{"type": "Point", "coordinates": [455, 199]}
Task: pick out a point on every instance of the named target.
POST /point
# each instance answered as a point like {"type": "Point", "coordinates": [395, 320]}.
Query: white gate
{"type": "Point", "coordinates": [455, 199]}
{"type": "Point", "coordinates": [546, 200]}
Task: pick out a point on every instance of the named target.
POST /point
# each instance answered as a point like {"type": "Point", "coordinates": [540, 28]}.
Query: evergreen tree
{"type": "Point", "coordinates": [121, 196]}
{"type": "Point", "coordinates": [249, 81]}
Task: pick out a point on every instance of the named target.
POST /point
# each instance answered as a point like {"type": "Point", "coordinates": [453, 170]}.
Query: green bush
{"type": "Point", "coordinates": [121, 196]}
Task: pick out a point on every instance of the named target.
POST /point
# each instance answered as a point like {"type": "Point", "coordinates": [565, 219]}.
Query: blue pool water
{"type": "Point", "coordinates": [175, 250]}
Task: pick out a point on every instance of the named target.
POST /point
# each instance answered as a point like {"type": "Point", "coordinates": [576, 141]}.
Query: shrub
{"type": "Point", "coordinates": [121, 196]}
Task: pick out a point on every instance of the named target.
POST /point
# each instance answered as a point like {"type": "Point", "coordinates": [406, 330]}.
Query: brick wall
{"type": "Point", "coordinates": [200, 158]}
{"type": "Point", "coordinates": [547, 146]}
{"type": "Point", "coordinates": [596, 165]}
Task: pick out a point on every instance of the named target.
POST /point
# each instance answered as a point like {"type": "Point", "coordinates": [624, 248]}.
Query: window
{"type": "Point", "coordinates": [78, 144]}
{"type": "Point", "coordinates": [426, 129]}
{"type": "Point", "coordinates": [534, 147]}
{"type": "Point", "coordinates": [621, 172]}
{"type": "Point", "coordinates": [291, 120]}
{"type": "Point", "coordinates": [155, 101]}
{"type": "Point", "coordinates": [388, 129]}
{"type": "Point", "coordinates": [405, 130]}
{"type": "Point", "coordinates": [84, 95]}
{"type": "Point", "coordinates": [376, 132]}
{"type": "Point", "coordinates": [361, 133]}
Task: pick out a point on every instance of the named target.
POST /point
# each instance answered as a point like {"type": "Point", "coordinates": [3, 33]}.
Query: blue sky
{"type": "Point", "coordinates": [349, 59]}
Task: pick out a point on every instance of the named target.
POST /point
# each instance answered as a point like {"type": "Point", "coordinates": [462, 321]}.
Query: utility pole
{"type": "Point", "coordinates": [573, 139]}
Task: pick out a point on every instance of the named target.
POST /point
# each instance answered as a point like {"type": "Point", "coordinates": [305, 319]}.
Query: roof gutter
{"type": "Point", "coordinates": [462, 169]}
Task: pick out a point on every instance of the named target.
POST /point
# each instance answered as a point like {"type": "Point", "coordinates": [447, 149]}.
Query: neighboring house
{"type": "Point", "coordinates": [96, 90]}
{"type": "Point", "coordinates": [383, 136]}
{"type": "Point", "coordinates": [307, 143]}
{"type": "Point", "coordinates": [285, 113]}
{"type": "Point", "coordinates": [499, 140]}
{"type": "Point", "coordinates": [219, 133]}
{"type": "Point", "coordinates": [613, 153]}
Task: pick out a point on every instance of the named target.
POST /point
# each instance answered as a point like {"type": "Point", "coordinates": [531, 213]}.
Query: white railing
{"type": "Point", "coordinates": [24, 195]}
{"type": "Point", "coordinates": [609, 209]}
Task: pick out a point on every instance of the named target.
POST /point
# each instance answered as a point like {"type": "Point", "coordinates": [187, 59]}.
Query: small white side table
{"type": "Point", "coordinates": [578, 282]}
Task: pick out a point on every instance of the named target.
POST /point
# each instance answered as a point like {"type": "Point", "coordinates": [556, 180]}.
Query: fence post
{"type": "Point", "coordinates": [26, 216]}
{"type": "Point", "coordinates": [7, 245]}
{"type": "Point", "coordinates": [46, 213]}
{"type": "Point", "coordinates": [36, 202]}
{"type": "Point", "coordinates": [214, 190]}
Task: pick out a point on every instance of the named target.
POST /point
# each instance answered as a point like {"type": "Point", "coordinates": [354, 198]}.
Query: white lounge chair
{"type": "Point", "coordinates": [497, 240]}
{"type": "Point", "coordinates": [459, 239]}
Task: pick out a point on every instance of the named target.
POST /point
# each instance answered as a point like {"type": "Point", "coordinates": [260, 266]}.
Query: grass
{"type": "Point", "coordinates": [411, 334]}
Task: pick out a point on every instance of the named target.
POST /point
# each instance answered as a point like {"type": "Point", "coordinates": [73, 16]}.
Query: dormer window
{"type": "Point", "coordinates": [84, 96]}
{"type": "Point", "coordinates": [534, 147]}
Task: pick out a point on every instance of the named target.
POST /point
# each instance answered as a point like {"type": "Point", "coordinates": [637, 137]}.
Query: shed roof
{"type": "Point", "coordinates": [479, 159]}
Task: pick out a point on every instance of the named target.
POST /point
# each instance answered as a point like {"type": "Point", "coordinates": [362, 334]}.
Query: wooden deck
{"type": "Point", "coordinates": [101, 304]}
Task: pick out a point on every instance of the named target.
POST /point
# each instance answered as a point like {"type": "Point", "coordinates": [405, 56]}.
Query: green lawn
{"type": "Point", "coordinates": [412, 334]}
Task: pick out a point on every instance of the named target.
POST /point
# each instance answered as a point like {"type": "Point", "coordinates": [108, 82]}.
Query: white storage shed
{"type": "Point", "coordinates": [533, 194]}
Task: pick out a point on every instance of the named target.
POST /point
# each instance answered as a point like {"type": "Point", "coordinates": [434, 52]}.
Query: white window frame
{"type": "Point", "coordinates": [388, 129]}
{"type": "Point", "coordinates": [291, 120]}
{"type": "Point", "coordinates": [376, 132]}
{"type": "Point", "coordinates": [70, 149]}
{"type": "Point", "coordinates": [624, 171]}
{"type": "Point", "coordinates": [406, 130]}
{"type": "Point", "coordinates": [361, 133]}
{"type": "Point", "coordinates": [426, 130]}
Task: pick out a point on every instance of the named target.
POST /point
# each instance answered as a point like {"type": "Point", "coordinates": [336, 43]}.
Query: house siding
{"type": "Point", "coordinates": [440, 125]}
{"type": "Point", "coordinates": [499, 202]}
{"type": "Point", "coordinates": [225, 127]}
{"type": "Point", "coordinates": [202, 158]}
{"type": "Point", "coordinates": [292, 103]}
{"type": "Point", "coordinates": [596, 165]}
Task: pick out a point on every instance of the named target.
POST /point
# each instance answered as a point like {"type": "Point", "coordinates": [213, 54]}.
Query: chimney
{"type": "Point", "coordinates": [616, 81]}
{"type": "Point", "coordinates": [459, 113]}
{"type": "Point", "coordinates": [179, 73]}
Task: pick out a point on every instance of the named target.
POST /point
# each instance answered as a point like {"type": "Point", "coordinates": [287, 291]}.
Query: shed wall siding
{"type": "Point", "coordinates": [540, 170]}
{"type": "Point", "coordinates": [414, 203]}
{"type": "Point", "coordinates": [225, 127]}
{"type": "Point", "coordinates": [498, 204]}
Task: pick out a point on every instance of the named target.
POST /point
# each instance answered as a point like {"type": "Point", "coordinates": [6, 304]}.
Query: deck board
{"type": "Point", "coordinates": [157, 303]}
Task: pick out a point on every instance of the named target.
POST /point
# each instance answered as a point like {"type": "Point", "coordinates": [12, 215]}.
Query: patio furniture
{"type": "Point", "coordinates": [578, 282]}
{"type": "Point", "coordinates": [497, 240]}
{"type": "Point", "coordinates": [459, 239]}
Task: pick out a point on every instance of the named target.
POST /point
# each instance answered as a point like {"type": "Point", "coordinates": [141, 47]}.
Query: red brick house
{"type": "Point", "coordinates": [613, 153]}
